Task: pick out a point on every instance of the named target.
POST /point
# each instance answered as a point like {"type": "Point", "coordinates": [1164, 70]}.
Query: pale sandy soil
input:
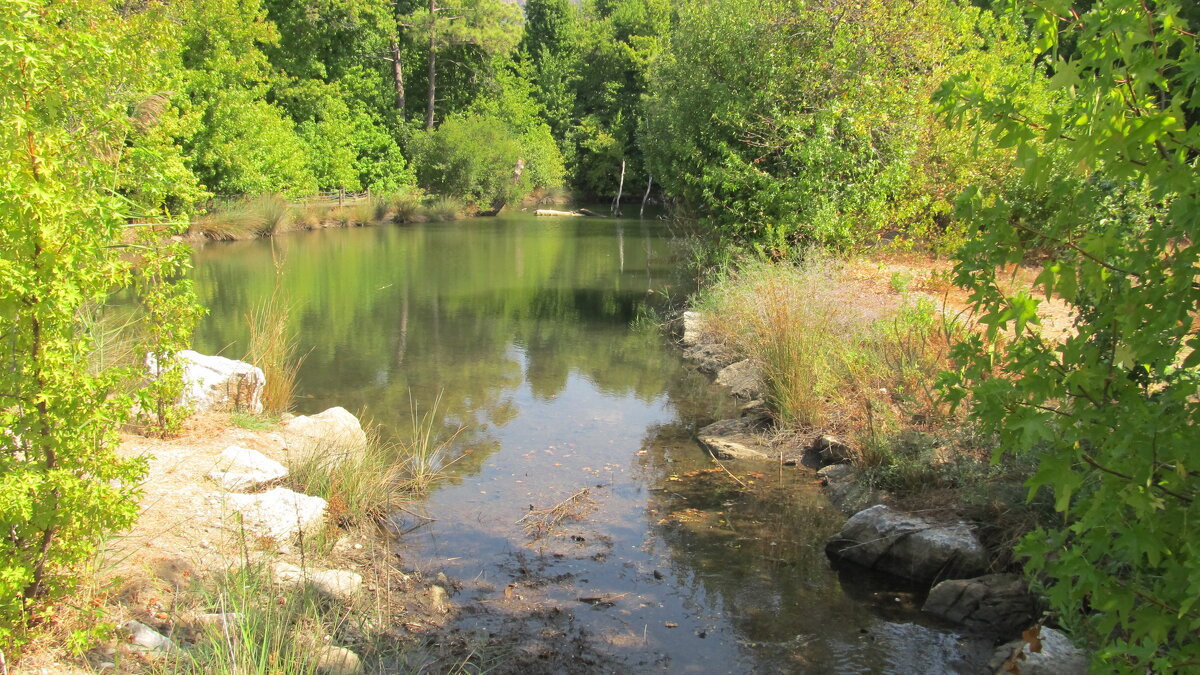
{"type": "Point", "coordinates": [871, 287]}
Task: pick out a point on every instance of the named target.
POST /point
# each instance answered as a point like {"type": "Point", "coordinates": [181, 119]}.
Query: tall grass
{"type": "Point", "coordinates": [406, 208]}
{"type": "Point", "coordinates": [274, 345]}
{"type": "Point", "coordinates": [825, 367]}
{"type": "Point", "coordinates": [366, 484]}
{"type": "Point", "coordinates": [261, 216]}
{"type": "Point", "coordinates": [443, 209]}
{"type": "Point", "coordinates": [271, 628]}
{"type": "Point", "coordinates": [362, 485]}
{"type": "Point", "coordinates": [783, 318]}
{"type": "Point", "coordinates": [426, 454]}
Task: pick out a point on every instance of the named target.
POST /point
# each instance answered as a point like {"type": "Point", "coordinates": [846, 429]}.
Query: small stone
{"type": "Point", "coordinates": [830, 450]}
{"type": "Point", "coordinates": [338, 584]}
{"type": "Point", "coordinates": [242, 468]}
{"type": "Point", "coordinates": [333, 660]}
{"type": "Point", "coordinates": [438, 599]}
{"type": "Point", "coordinates": [734, 439]}
{"type": "Point", "coordinates": [1057, 656]}
{"type": "Point", "coordinates": [147, 639]}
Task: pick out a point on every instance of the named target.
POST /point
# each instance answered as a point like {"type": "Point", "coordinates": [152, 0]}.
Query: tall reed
{"type": "Point", "coordinates": [426, 454]}
{"type": "Point", "coordinates": [274, 345]}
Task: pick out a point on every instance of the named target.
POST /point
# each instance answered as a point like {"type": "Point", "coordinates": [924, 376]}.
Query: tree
{"type": "Point", "coordinates": [492, 26]}
{"type": "Point", "coordinates": [239, 142]}
{"type": "Point", "coordinates": [824, 134]}
{"type": "Point", "coordinates": [76, 103]}
{"type": "Point", "coordinates": [1110, 412]}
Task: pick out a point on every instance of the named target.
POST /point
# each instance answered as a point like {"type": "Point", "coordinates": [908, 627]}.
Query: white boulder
{"type": "Point", "coordinates": [338, 584]}
{"type": "Point", "coordinates": [279, 514]}
{"type": "Point", "coordinates": [241, 468]}
{"type": "Point", "coordinates": [336, 427]}
{"type": "Point", "coordinates": [146, 639]}
{"type": "Point", "coordinates": [693, 327]}
{"type": "Point", "coordinates": [332, 660]}
{"type": "Point", "coordinates": [217, 383]}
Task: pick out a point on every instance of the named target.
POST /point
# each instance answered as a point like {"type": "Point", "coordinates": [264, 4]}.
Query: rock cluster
{"type": "Point", "coordinates": [879, 537]}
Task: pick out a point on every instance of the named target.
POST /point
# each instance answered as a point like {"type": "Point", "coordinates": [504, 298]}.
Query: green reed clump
{"type": "Point", "coordinates": [443, 209]}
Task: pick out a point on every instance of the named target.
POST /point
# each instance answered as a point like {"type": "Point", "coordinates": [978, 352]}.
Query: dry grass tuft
{"type": "Point", "coordinates": [785, 318]}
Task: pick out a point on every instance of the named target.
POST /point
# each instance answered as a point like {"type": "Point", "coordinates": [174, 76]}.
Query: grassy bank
{"type": "Point", "coordinates": [843, 357]}
{"type": "Point", "coordinates": [268, 215]}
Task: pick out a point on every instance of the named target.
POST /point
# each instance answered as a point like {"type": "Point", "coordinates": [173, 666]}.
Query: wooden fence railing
{"type": "Point", "coordinates": [338, 196]}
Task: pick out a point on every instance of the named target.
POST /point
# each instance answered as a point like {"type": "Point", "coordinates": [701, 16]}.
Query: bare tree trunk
{"type": "Point", "coordinates": [398, 76]}
{"type": "Point", "coordinates": [649, 182]}
{"type": "Point", "coordinates": [616, 205]}
{"type": "Point", "coordinates": [432, 64]}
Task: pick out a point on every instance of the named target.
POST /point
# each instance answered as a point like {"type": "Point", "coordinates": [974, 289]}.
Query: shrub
{"type": "Point", "coordinates": [72, 72]}
{"type": "Point", "coordinates": [471, 158]}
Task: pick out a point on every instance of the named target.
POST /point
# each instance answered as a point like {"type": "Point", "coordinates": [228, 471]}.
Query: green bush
{"type": "Point", "coordinates": [1109, 413]}
{"type": "Point", "coordinates": [73, 70]}
{"type": "Point", "coordinates": [471, 157]}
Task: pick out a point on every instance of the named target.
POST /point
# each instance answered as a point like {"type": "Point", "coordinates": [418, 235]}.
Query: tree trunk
{"type": "Point", "coordinates": [398, 76]}
{"type": "Point", "coordinates": [649, 182]}
{"type": "Point", "coordinates": [616, 205]}
{"type": "Point", "coordinates": [432, 64]}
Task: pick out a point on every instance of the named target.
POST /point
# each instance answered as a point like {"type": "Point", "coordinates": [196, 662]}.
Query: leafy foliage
{"type": "Point", "coordinates": [825, 135]}
{"type": "Point", "coordinates": [1111, 411]}
{"type": "Point", "coordinates": [72, 109]}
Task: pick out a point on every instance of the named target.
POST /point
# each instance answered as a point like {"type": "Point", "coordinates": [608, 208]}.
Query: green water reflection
{"type": "Point", "coordinates": [391, 318]}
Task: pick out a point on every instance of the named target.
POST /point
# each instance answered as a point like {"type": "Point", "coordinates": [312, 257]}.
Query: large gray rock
{"type": "Point", "coordinates": [885, 539]}
{"type": "Point", "coordinates": [1055, 656]}
{"type": "Point", "coordinates": [333, 429]}
{"type": "Point", "coordinates": [999, 604]}
{"type": "Point", "coordinates": [742, 378]}
{"type": "Point", "coordinates": [279, 514]}
{"type": "Point", "coordinates": [734, 439]}
{"type": "Point", "coordinates": [241, 468]}
{"type": "Point", "coordinates": [845, 489]}
{"type": "Point", "coordinates": [217, 383]}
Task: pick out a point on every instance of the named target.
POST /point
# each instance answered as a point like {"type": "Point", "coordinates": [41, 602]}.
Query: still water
{"type": "Point", "coordinates": [526, 333]}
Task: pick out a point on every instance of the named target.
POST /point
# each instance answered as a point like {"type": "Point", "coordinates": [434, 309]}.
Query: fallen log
{"type": "Point", "coordinates": [553, 212]}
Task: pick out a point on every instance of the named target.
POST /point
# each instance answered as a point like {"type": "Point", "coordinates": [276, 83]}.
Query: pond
{"type": "Point", "coordinates": [586, 527]}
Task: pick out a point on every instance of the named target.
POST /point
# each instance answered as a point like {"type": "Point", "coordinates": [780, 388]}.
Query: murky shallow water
{"type": "Point", "coordinates": [520, 329]}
